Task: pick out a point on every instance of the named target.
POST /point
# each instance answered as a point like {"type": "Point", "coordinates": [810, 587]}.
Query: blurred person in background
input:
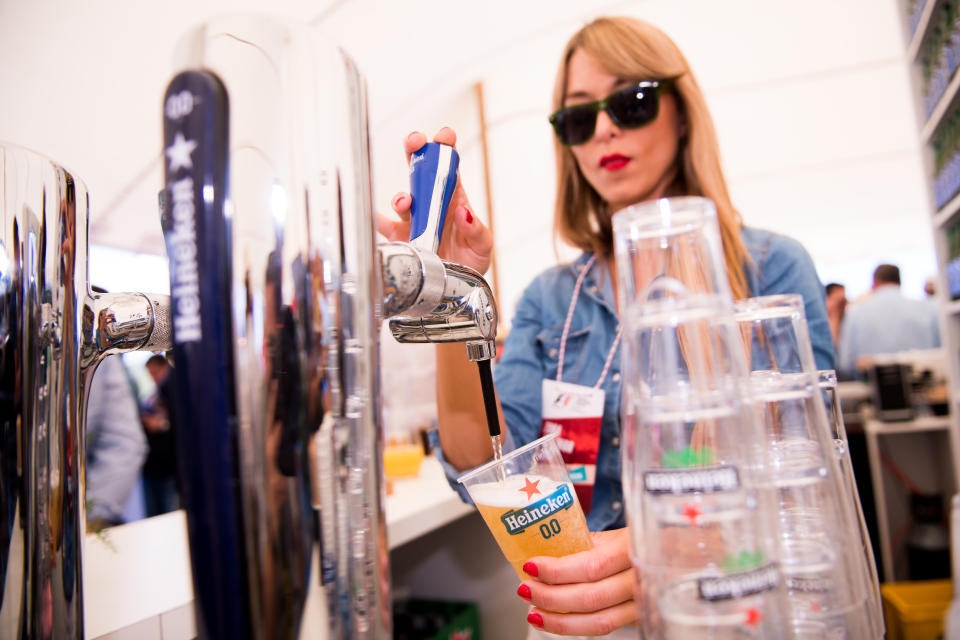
{"type": "Point", "coordinates": [932, 300]}
{"type": "Point", "coordinates": [836, 308]}
{"type": "Point", "coordinates": [930, 286]}
{"type": "Point", "coordinates": [885, 322]}
{"type": "Point", "coordinates": [160, 493]}
{"type": "Point", "coordinates": [115, 444]}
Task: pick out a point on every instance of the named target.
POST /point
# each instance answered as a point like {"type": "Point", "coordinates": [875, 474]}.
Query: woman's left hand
{"type": "Point", "coordinates": [594, 588]}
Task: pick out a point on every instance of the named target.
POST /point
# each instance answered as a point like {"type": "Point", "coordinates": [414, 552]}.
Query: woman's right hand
{"type": "Point", "coordinates": [466, 240]}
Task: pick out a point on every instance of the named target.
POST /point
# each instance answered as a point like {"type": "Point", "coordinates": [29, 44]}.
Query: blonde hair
{"type": "Point", "coordinates": [633, 49]}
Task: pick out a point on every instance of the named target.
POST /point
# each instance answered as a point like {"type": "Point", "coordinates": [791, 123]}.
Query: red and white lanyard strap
{"type": "Point", "coordinates": [566, 328]}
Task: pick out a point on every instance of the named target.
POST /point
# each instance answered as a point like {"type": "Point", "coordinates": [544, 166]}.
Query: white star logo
{"type": "Point", "coordinates": [179, 152]}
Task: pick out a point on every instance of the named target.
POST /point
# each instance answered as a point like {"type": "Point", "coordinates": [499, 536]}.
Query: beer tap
{"type": "Point", "coordinates": [431, 300]}
{"type": "Point", "coordinates": [54, 331]}
{"type": "Point", "coordinates": [275, 295]}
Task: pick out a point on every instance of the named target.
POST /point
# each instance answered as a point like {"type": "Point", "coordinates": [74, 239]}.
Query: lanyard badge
{"type": "Point", "coordinates": [576, 411]}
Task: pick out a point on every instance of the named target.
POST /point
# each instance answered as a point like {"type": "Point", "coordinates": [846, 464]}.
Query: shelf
{"type": "Point", "coordinates": [913, 47]}
{"type": "Point", "coordinates": [943, 215]}
{"type": "Point", "coordinates": [942, 107]}
{"type": "Point", "coordinates": [916, 425]}
{"type": "Point", "coordinates": [421, 504]}
{"type": "Point", "coordinates": [889, 519]}
{"type": "Point", "coordinates": [134, 572]}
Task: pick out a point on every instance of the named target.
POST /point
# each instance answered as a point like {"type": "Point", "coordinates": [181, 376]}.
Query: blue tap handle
{"type": "Point", "coordinates": [433, 177]}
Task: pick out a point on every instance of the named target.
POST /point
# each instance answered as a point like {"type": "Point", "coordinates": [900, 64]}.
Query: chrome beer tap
{"type": "Point", "coordinates": [437, 301]}
{"type": "Point", "coordinates": [277, 295]}
{"type": "Point", "coordinates": [429, 299]}
{"type": "Point", "coordinates": [53, 333]}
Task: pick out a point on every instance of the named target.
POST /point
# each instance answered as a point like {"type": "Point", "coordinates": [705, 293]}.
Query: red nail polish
{"type": "Point", "coordinates": [469, 217]}
{"type": "Point", "coordinates": [523, 591]}
{"type": "Point", "coordinates": [535, 618]}
{"type": "Point", "coordinates": [531, 569]}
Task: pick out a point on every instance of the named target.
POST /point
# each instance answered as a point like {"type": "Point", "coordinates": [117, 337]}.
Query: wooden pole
{"type": "Point", "coordinates": [478, 92]}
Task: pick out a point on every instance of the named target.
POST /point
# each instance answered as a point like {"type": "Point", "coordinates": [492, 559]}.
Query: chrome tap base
{"type": "Point", "coordinates": [53, 333]}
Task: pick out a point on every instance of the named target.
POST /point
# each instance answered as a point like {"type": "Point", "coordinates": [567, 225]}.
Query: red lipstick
{"type": "Point", "coordinates": [614, 162]}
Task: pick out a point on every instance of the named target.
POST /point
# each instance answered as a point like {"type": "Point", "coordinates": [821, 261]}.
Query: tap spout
{"type": "Point", "coordinates": [120, 322]}
{"type": "Point", "coordinates": [430, 300]}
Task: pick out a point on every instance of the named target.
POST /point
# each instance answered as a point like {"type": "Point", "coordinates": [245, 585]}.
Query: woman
{"type": "Point", "coordinates": [631, 125]}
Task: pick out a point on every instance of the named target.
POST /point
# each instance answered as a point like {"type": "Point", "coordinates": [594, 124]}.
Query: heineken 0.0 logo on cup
{"type": "Point", "coordinates": [528, 502]}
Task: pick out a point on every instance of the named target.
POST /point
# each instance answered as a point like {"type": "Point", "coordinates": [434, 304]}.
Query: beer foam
{"type": "Point", "coordinates": [509, 493]}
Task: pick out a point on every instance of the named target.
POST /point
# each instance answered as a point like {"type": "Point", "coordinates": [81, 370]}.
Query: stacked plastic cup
{"type": "Point", "coordinates": [827, 380]}
{"type": "Point", "coordinates": [703, 545]}
{"type": "Point", "coordinates": [820, 545]}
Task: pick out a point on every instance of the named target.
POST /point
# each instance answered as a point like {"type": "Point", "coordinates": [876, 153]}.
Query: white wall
{"type": "Point", "coordinates": [811, 100]}
{"type": "Point", "coordinates": [812, 103]}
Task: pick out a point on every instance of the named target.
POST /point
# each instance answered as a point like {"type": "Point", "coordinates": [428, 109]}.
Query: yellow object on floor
{"type": "Point", "coordinates": [401, 460]}
{"type": "Point", "coordinates": [915, 610]}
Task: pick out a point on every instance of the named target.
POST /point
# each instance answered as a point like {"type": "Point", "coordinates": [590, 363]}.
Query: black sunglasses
{"type": "Point", "coordinates": [630, 107]}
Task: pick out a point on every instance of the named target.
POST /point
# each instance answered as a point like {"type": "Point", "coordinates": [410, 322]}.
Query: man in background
{"type": "Point", "coordinates": [885, 322]}
{"type": "Point", "coordinates": [836, 308]}
{"type": "Point", "coordinates": [115, 444]}
{"type": "Point", "coordinates": [160, 493]}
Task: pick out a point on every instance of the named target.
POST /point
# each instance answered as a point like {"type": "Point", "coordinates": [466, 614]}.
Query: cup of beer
{"type": "Point", "coordinates": [528, 502]}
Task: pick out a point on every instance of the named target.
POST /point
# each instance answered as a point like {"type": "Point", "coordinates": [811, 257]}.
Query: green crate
{"type": "Point", "coordinates": [421, 619]}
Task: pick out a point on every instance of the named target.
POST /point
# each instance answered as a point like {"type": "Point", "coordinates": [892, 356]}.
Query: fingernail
{"type": "Point", "coordinates": [535, 618]}
{"type": "Point", "coordinates": [469, 216]}
{"type": "Point", "coordinates": [531, 569]}
{"type": "Point", "coordinates": [523, 591]}
{"type": "Point", "coordinates": [396, 201]}
{"type": "Point", "coordinates": [410, 137]}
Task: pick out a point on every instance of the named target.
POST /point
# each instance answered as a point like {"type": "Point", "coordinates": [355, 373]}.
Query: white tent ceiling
{"type": "Point", "coordinates": [812, 101]}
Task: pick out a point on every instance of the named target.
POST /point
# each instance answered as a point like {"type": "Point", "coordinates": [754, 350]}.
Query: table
{"type": "Point", "coordinates": [137, 581]}
{"type": "Point", "coordinates": [874, 430]}
{"type": "Point", "coordinates": [422, 504]}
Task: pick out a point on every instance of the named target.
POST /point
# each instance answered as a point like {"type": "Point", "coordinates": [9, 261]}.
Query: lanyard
{"type": "Point", "coordinates": [566, 328]}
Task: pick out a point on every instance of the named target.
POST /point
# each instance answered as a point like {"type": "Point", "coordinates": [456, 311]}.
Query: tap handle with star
{"type": "Point", "coordinates": [198, 237]}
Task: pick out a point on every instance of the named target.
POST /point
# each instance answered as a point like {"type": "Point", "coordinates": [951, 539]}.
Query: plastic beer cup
{"type": "Point", "coordinates": [866, 563]}
{"type": "Point", "coordinates": [821, 550]}
{"type": "Point", "coordinates": [528, 502]}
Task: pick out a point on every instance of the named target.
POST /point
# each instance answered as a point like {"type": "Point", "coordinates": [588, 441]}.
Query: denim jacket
{"type": "Point", "coordinates": [780, 265]}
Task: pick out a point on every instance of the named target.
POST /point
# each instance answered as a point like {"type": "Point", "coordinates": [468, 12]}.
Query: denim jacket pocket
{"type": "Point", "coordinates": [549, 342]}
